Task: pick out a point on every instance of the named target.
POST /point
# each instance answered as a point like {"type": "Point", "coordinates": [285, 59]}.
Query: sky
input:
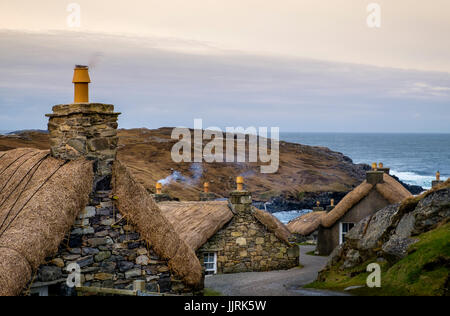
{"type": "Point", "coordinates": [301, 65]}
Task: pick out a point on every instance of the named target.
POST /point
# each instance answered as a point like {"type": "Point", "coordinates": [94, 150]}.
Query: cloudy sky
{"type": "Point", "coordinates": [302, 65]}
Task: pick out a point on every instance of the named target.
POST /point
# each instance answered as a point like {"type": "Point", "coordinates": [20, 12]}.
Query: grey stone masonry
{"type": "Point", "coordinates": [207, 196]}
{"type": "Point", "coordinates": [241, 201]}
{"type": "Point", "coordinates": [374, 177]}
{"type": "Point", "coordinates": [246, 245]}
{"type": "Point", "coordinates": [85, 130]}
{"type": "Point", "coordinates": [162, 197]}
{"type": "Point", "coordinates": [435, 183]}
{"type": "Point", "coordinates": [110, 253]}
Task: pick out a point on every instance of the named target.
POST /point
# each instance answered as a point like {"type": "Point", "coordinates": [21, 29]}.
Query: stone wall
{"type": "Point", "coordinates": [110, 253]}
{"type": "Point", "coordinates": [85, 130]}
{"type": "Point", "coordinates": [244, 244]}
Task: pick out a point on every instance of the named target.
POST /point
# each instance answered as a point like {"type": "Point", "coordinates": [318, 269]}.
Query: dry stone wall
{"type": "Point", "coordinates": [110, 253]}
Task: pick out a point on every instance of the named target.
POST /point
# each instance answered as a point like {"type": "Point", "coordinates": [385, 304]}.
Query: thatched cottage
{"type": "Point", "coordinates": [73, 219]}
{"type": "Point", "coordinates": [232, 236]}
{"type": "Point", "coordinates": [377, 191]}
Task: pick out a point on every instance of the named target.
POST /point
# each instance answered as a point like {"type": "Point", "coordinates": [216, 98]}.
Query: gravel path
{"type": "Point", "coordinates": [272, 283]}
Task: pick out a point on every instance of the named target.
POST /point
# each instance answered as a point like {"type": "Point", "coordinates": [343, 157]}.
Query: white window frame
{"type": "Point", "coordinates": [341, 231]}
{"type": "Point", "coordinates": [214, 269]}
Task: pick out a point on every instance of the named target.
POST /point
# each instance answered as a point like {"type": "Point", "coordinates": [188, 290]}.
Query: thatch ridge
{"type": "Point", "coordinates": [350, 200]}
{"type": "Point", "coordinates": [273, 224]}
{"type": "Point", "coordinates": [40, 197]}
{"type": "Point", "coordinates": [390, 189]}
{"type": "Point", "coordinates": [306, 224]}
{"type": "Point", "coordinates": [135, 203]}
{"type": "Point", "coordinates": [196, 222]}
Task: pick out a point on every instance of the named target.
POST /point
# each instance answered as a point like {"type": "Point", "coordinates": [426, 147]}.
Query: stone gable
{"type": "Point", "coordinates": [244, 244]}
{"type": "Point", "coordinates": [110, 253]}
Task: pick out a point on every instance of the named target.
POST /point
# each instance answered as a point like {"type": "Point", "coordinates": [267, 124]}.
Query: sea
{"type": "Point", "coordinates": [413, 158]}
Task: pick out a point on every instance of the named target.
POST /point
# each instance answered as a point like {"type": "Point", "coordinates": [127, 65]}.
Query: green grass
{"type": "Point", "coordinates": [424, 272]}
{"type": "Point", "coordinates": [211, 292]}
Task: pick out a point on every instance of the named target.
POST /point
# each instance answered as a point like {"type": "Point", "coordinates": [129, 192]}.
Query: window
{"type": "Point", "coordinates": [344, 228]}
{"type": "Point", "coordinates": [210, 261]}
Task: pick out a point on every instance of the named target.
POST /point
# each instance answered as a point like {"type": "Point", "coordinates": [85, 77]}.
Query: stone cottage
{"type": "Point", "coordinates": [306, 226]}
{"type": "Point", "coordinates": [233, 236]}
{"type": "Point", "coordinates": [377, 191]}
{"type": "Point", "coordinates": [74, 220]}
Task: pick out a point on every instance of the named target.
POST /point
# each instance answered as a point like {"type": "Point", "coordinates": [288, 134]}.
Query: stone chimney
{"type": "Point", "coordinates": [381, 167]}
{"type": "Point", "coordinates": [318, 208]}
{"type": "Point", "coordinates": [84, 129]}
{"type": "Point", "coordinates": [374, 176]}
{"type": "Point", "coordinates": [438, 180]}
{"type": "Point", "coordinates": [159, 196]}
{"type": "Point", "coordinates": [241, 199]}
{"type": "Point", "coordinates": [206, 195]}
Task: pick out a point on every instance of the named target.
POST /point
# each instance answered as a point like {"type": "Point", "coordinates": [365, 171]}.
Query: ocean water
{"type": "Point", "coordinates": [414, 158]}
{"type": "Point", "coordinates": [286, 216]}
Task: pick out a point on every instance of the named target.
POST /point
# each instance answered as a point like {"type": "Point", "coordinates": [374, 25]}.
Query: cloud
{"type": "Point", "coordinates": [168, 82]}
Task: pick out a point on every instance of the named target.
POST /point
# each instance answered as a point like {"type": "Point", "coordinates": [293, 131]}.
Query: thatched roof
{"type": "Point", "coordinates": [272, 224]}
{"type": "Point", "coordinates": [40, 197]}
{"type": "Point", "coordinates": [196, 222]}
{"type": "Point", "coordinates": [134, 202]}
{"type": "Point", "coordinates": [390, 189]}
{"type": "Point", "coordinates": [306, 223]}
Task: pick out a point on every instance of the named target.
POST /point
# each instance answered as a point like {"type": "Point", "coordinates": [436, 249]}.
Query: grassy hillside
{"type": "Point", "coordinates": [425, 271]}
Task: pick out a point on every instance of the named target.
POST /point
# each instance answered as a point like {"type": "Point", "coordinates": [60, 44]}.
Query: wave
{"type": "Point", "coordinates": [286, 216]}
{"type": "Point", "coordinates": [415, 179]}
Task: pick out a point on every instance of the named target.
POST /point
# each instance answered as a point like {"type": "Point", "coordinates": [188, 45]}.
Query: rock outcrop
{"type": "Point", "coordinates": [388, 234]}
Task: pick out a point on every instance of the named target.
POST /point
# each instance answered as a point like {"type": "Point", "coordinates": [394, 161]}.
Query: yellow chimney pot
{"type": "Point", "coordinates": [240, 183]}
{"type": "Point", "coordinates": [158, 187]}
{"type": "Point", "coordinates": [81, 82]}
{"type": "Point", "coordinates": [374, 166]}
{"type": "Point", "coordinates": [206, 187]}
{"type": "Point", "coordinates": [438, 176]}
